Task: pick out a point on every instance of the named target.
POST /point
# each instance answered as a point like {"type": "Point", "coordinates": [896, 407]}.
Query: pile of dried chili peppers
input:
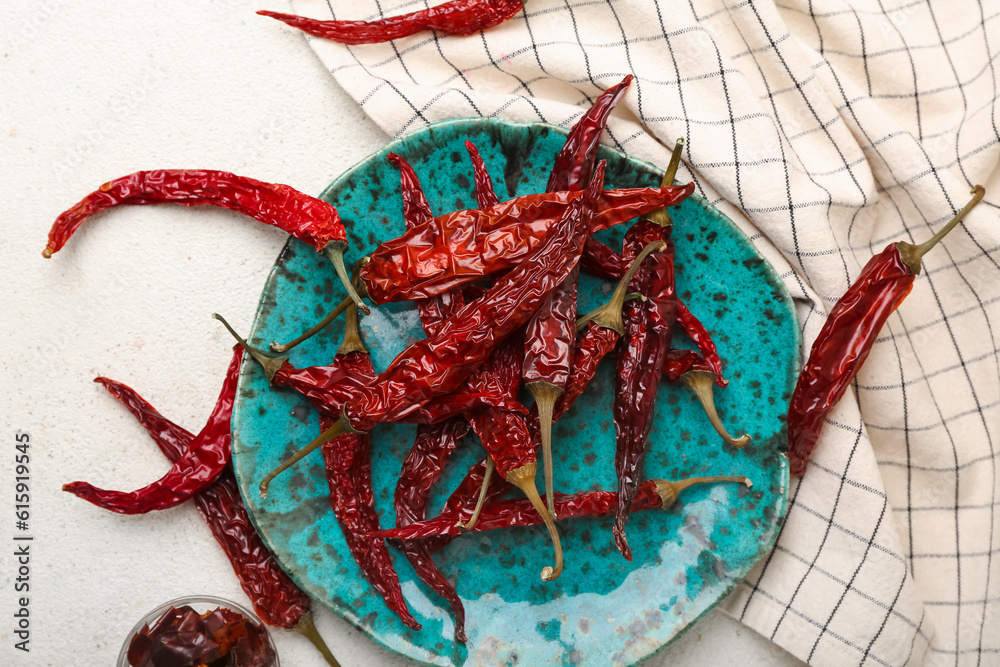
{"type": "Point", "coordinates": [496, 291]}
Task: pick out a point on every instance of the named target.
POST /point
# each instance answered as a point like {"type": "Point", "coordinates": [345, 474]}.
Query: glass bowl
{"type": "Point", "coordinates": [201, 604]}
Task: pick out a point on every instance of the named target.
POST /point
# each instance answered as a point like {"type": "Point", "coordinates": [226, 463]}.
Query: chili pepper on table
{"type": "Point", "coordinates": [308, 219]}
{"type": "Point", "coordinates": [849, 333]}
{"type": "Point", "coordinates": [203, 461]}
{"type": "Point", "coordinates": [274, 596]}
{"type": "Point", "coordinates": [459, 247]}
{"type": "Point", "coordinates": [441, 363]}
{"type": "Point", "coordinates": [457, 17]}
{"type": "Point", "coordinates": [486, 196]}
{"type": "Point", "coordinates": [551, 333]}
{"type": "Point", "coordinates": [434, 443]}
{"type": "Point", "coordinates": [645, 341]}
{"type": "Point", "coordinates": [651, 494]}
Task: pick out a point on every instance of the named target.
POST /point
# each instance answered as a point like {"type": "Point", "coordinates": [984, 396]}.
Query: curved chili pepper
{"type": "Point", "coordinates": [551, 333]}
{"type": "Point", "coordinates": [273, 595]}
{"type": "Point", "coordinates": [648, 326]}
{"type": "Point", "coordinates": [697, 332]}
{"type": "Point", "coordinates": [486, 195]}
{"type": "Point", "coordinates": [202, 463]}
{"type": "Point", "coordinates": [308, 219]}
{"type": "Point", "coordinates": [457, 17]}
{"type": "Point", "coordinates": [460, 247]}
{"type": "Point", "coordinates": [600, 260]}
{"type": "Point", "coordinates": [434, 443]}
{"type": "Point", "coordinates": [651, 494]}
{"type": "Point", "coordinates": [693, 370]}
{"type": "Point", "coordinates": [848, 334]}
{"type": "Point", "coordinates": [441, 363]}
{"type": "Point", "coordinates": [349, 473]}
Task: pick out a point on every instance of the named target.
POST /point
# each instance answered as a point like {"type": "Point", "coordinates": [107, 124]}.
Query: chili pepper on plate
{"type": "Point", "coordinates": [551, 332]}
{"type": "Point", "coordinates": [651, 494]}
{"type": "Point", "coordinates": [308, 219]}
{"type": "Point", "coordinates": [647, 326]}
{"type": "Point", "coordinates": [459, 247]}
{"type": "Point", "coordinates": [274, 596]}
{"type": "Point", "coordinates": [203, 461]}
{"type": "Point", "coordinates": [457, 17]}
{"type": "Point", "coordinates": [434, 443]}
{"type": "Point", "coordinates": [849, 333]}
{"type": "Point", "coordinates": [441, 363]}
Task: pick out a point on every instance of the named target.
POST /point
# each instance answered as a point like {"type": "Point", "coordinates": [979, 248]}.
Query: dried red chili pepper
{"type": "Point", "coordinates": [848, 334]}
{"type": "Point", "coordinates": [486, 195]}
{"type": "Point", "coordinates": [697, 332]}
{"type": "Point", "coordinates": [647, 330]}
{"type": "Point", "coordinates": [434, 443]}
{"type": "Point", "coordinates": [441, 363]}
{"type": "Point", "coordinates": [600, 260]}
{"type": "Point", "coordinates": [551, 333]}
{"type": "Point", "coordinates": [273, 595]}
{"type": "Point", "coordinates": [308, 219]}
{"type": "Point", "coordinates": [694, 370]}
{"type": "Point", "coordinates": [348, 470]}
{"type": "Point", "coordinates": [457, 17]}
{"type": "Point", "coordinates": [202, 463]}
{"type": "Point", "coordinates": [352, 496]}
{"type": "Point", "coordinates": [651, 494]}
{"type": "Point", "coordinates": [460, 247]}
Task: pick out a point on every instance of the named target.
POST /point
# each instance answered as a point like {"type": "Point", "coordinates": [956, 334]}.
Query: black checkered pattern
{"type": "Point", "coordinates": [826, 129]}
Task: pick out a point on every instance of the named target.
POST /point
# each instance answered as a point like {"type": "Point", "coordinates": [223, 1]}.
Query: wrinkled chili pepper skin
{"type": "Point", "coordinates": [645, 343]}
{"type": "Point", "coordinates": [697, 332]}
{"type": "Point", "coordinates": [423, 466]}
{"type": "Point", "coordinates": [274, 596]}
{"type": "Point", "coordinates": [441, 363]}
{"type": "Point", "coordinates": [486, 195]}
{"type": "Point", "coordinates": [842, 347]}
{"type": "Point", "coordinates": [595, 344]}
{"type": "Point", "coordinates": [519, 512]}
{"type": "Point", "coordinates": [458, 17]}
{"type": "Point", "coordinates": [201, 464]}
{"type": "Point", "coordinates": [306, 218]}
{"type": "Point", "coordinates": [600, 260]}
{"type": "Point", "coordinates": [551, 333]}
{"type": "Point", "coordinates": [459, 247]}
{"type": "Point", "coordinates": [349, 473]}
{"type": "Point", "coordinates": [574, 163]}
{"type": "Point", "coordinates": [679, 362]}
{"type": "Point", "coordinates": [328, 388]}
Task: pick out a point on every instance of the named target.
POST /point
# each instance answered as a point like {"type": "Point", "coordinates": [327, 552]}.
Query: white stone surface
{"type": "Point", "coordinates": [98, 90]}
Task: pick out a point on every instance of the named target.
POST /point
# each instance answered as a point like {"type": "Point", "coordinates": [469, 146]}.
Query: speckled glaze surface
{"type": "Point", "coordinates": [603, 610]}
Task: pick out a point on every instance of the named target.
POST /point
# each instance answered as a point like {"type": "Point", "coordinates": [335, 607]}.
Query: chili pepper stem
{"type": "Point", "coordinates": [269, 364]}
{"type": "Point", "coordinates": [333, 314]}
{"type": "Point", "coordinates": [471, 523]}
{"type": "Point", "coordinates": [668, 490]}
{"type": "Point", "coordinates": [524, 479]}
{"type": "Point", "coordinates": [609, 315]}
{"type": "Point", "coordinates": [701, 383]}
{"type": "Point", "coordinates": [307, 628]}
{"type": "Point", "coordinates": [341, 427]}
{"type": "Point", "coordinates": [334, 251]}
{"type": "Point", "coordinates": [352, 337]}
{"type": "Point", "coordinates": [911, 254]}
{"type": "Point", "coordinates": [661, 216]}
{"type": "Point", "coordinates": [546, 394]}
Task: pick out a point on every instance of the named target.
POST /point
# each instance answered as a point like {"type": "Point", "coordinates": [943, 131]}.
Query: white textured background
{"type": "Point", "coordinates": [88, 93]}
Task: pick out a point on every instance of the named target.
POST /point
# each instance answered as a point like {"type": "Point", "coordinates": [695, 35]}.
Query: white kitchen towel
{"type": "Point", "coordinates": [826, 129]}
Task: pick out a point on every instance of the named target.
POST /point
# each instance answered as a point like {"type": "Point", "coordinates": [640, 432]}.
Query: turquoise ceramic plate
{"type": "Point", "coordinates": [603, 610]}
